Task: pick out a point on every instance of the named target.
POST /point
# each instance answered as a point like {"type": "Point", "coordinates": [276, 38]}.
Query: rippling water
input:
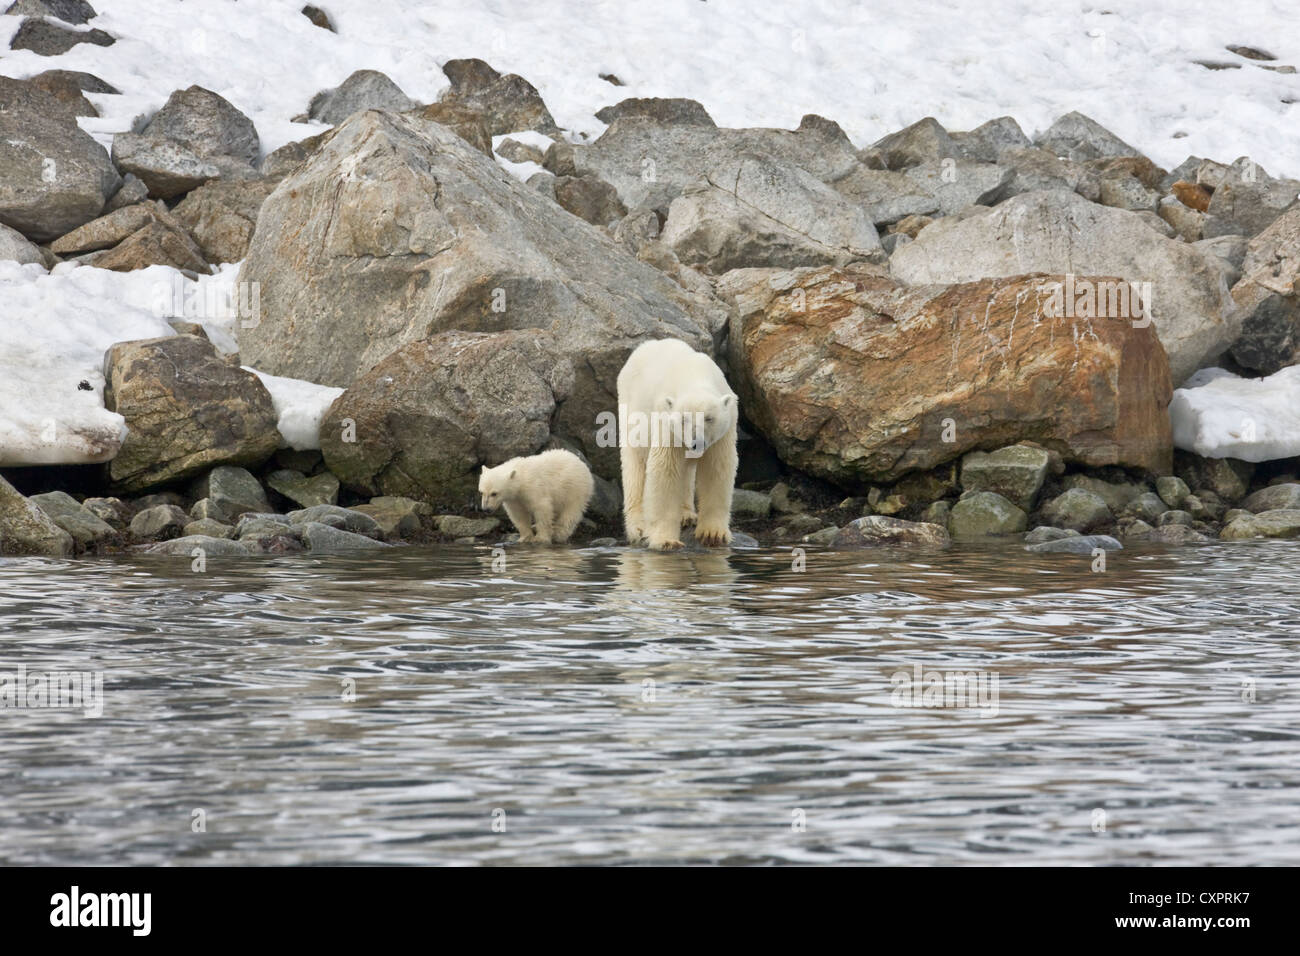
{"type": "Point", "coordinates": [618, 706]}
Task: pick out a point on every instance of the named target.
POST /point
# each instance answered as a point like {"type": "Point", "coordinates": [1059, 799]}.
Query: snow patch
{"type": "Point", "coordinates": [1220, 415]}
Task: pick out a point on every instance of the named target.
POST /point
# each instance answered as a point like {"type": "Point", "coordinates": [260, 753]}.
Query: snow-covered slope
{"type": "Point", "coordinates": [872, 65]}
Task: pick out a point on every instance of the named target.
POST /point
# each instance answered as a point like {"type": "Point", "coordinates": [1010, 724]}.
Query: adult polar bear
{"type": "Point", "coordinates": [678, 444]}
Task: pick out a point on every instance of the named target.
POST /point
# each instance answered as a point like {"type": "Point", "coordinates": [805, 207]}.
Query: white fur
{"type": "Point", "coordinates": [544, 495]}
{"type": "Point", "coordinates": [661, 485]}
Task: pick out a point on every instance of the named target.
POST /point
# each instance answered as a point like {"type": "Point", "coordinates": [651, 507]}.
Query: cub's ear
{"type": "Point", "coordinates": [727, 400]}
{"type": "Point", "coordinates": [668, 402]}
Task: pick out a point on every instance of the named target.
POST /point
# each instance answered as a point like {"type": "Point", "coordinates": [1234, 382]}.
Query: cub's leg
{"type": "Point", "coordinates": [543, 519]}
{"type": "Point", "coordinates": [521, 519]}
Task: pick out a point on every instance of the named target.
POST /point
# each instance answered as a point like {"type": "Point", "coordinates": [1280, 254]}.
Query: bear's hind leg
{"type": "Point", "coordinates": [544, 521]}
{"type": "Point", "coordinates": [567, 520]}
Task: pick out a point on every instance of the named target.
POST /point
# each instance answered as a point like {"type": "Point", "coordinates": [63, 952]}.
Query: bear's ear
{"type": "Point", "coordinates": [726, 400]}
{"type": "Point", "coordinates": [668, 402]}
{"type": "Point", "coordinates": [513, 473]}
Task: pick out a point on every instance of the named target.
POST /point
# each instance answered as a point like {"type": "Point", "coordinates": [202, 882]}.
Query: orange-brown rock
{"type": "Point", "coordinates": [858, 379]}
{"type": "Point", "coordinates": [1191, 195]}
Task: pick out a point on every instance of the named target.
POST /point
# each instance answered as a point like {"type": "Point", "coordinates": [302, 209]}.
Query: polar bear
{"type": "Point", "coordinates": [677, 444]}
{"type": "Point", "coordinates": [544, 495]}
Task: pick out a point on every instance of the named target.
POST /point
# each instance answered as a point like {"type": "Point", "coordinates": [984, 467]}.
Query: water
{"type": "Point", "coordinates": [1147, 714]}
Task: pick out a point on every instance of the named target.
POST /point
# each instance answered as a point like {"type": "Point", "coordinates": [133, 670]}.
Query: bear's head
{"type": "Point", "coordinates": [700, 416]}
{"type": "Point", "coordinates": [495, 484]}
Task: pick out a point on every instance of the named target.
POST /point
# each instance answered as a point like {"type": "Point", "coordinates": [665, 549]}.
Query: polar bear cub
{"type": "Point", "coordinates": [545, 495]}
{"type": "Point", "coordinates": [677, 445]}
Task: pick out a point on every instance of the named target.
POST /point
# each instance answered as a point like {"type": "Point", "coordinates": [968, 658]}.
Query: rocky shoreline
{"type": "Point", "coordinates": [945, 337]}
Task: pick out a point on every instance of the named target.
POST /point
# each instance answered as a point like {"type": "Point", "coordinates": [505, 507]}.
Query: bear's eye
{"type": "Point", "coordinates": [708, 419]}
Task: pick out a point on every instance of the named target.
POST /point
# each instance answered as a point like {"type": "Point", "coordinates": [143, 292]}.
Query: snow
{"type": "Point", "coordinates": [873, 67]}
{"type": "Point", "coordinates": [521, 171]}
{"type": "Point", "coordinates": [55, 328]}
{"type": "Point", "coordinates": [301, 407]}
{"type": "Point", "coordinates": [1220, 415]}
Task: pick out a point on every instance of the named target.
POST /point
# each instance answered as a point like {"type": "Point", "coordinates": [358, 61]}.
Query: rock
{"type": "Point", "coordinates": [1172, 491]}
{"type": "Point", "coordinates": [157, 244]}
{"type": "Point", "coordinates": [986, 142]}
{"type": "Point", "coordinates": [1079, 138]}
{"type": "Point", "coordinates": [1187, 224]}
{"type": "Point", "coordinates": [1284, 497]}
{"type": "Point", "coordinates": [49, 39]}
{"type": "Point", "coordinates": [958, 183]}
{"type": "Point", "coordinates": [667, 111]}
{"type": "Point", "coordinates": [67, 87]}
{"type": "Point", "coordinates": [763, 213]}
{"type": "Point", "coordinates": [205, 545]}
{"type": "Point", "coordinates": [345, 518]}
{"type": "Point", "coordinates": [938, 512]}
{"type": "Point", "coordinates": [817, 357]}
{"type": "Point", "coordinates": [825, 536]}
{"type": "Point", "coordinates": [1147, 506]}
{"type": "Point", "coordinates": [53, 175]}
{"type": "Point", "coordinates": [517, 152]}
{"type": "Point", "coordinates": [1229, 478]}
{"type": "Point", "coordinates": [397, 517]}
{"type": "Point", "coordinates": [1174, 534]}
{"type": "Point", "coordinates": [1175, 517]}
{"type": "Point", "coordinates": [344, 236]}
{"type": "Point", "coordinates": [1125, 192]}
{"type": "Point", "coordinates": [1084, 544]}
{"type": "Point", "coordinates": [259, 526]}
{"type": "Point", "coordinates": [1116, 494]}
{"type": "Point", "coordinates": [784, 501]}
{"type": "Point", "coordinates": [457, 527]}
{"type": "Point", "coordinates": [26, 529]}
{"type": "Point", "coordinates": [606, 503]}
{"type": "Point", "coordinates": [232, 491]}
{"type": "Point", "coordinates": [132, 191]}
{"type": "Point", "coordinates": [160, 521]}
{"type": "Point", "coordinates": [65, 511]}
{"type": "Point", "coordinates": [187, 411]}
{"type": "Point", "coordinates": [590, 198]}
{"type": "Point", "coordinates": [1035, 169]}
{"type": "Point", "coordinates": [798, 526]}
{"type": "Point", "coordinates": [113, 511]}
{"type": "Point", "coordinates": [363, 90]}
{"type": "Point", "coordinates": [887, 195]}
{"type": "Point", "coordinates": [1232, 514]}
{"type": "Point", "coordinates": [1268, 296]}
{"type": "Point", "coordinates": [322, 489]}
{"type": "Point", "coordinates": [924, 141]}
{"type": "Point", "coordinates": [1248, 200]}
{"type": "Point", "coordinates": [507, 104]}
{"type": "Point", "coordinates": [206, 124]}
{"type": "Point", "coordinates": [223, 215]}
{"type": "Point", "coordinates": [878, 530]}
{"type": "Point", "coordinates": [1058, 232]}
{"type": "Point", "coordinates": [637, 227]}
{"type": "Point", "coordinates": [1077, 509]}
{"type": "Point", "coordinates": [603, 543]}
{"type": "Point", "coordinates": [465, 123]}
{"type": "Point", "coordinates": [318, 17]}
{"type": "Point", "coordinates": [1204, 505]}
{"type": "Point", "coordinates": [167, 169]}
{"type": "Point", "coordinates": [15, 248]}
{"type": "Point", "coordinates": [427, 416]}
{"type": "Point", "coordinates": [753, 504]}
{"type": "Point", "coordinates": [1048, 533]}
{"type": "Point", "coordinates": [1191, 195]}
{"type": "Point", "coordinates": [280, 162]}
{"type": "Point", "coordinates": [108, 230]}
{"type": "Point", "coordinates": [1281, 523]}
{"type": "Point", "coordinates": [1016, 472]}
{"type": "Point", "coordinates": [209, 528]}
{"type": "Point", "coordinates": [77, 12]}
{"type": "Point", "coordinates": [983, 513]}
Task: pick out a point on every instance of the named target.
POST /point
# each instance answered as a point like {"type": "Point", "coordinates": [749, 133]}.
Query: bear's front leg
{"type": "Point", "coordinates": [632, 461]}
{"type": "Point", "coordinates": [715, 481]}
{"type": "Point", "coordinates": [543, 521]}
{"type": "Point", "coordinates": [521, 519]}
{"type": "Point", "coordinates": [689, 515]}
{"type": "Point", "coordinates": [665, 475]}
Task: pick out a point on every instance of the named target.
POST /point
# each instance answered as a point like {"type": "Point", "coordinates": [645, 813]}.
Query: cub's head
{"type": "Point", "coordinates": [495, 484]}
{"type": "Point", "coordinates": [701, 417]}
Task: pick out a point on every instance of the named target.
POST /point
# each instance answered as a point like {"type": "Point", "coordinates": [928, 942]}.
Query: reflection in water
{"type": "Point", "coordinates": [627, 706]}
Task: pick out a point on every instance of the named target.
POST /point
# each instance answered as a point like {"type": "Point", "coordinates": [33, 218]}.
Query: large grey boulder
{"type": "Point", "coordinates": [924, 141]}
{"type": "Point", "coordinates": [958, 183]}
{"type": "Point", "coordinates": [46, 38]}
{"type": "Point", "coordinates": [15, 247]}
{"type": "Point", "coordinates": [1015, 472]}
{"type": "Point", "coordinates": [886, 194]}
{"type": "Point", "coordinates": [1080, 138]}
{"type": "Point", "coordinates": [985, 142]}
{"type": "Point", "coordinates": [187, 411]}
{"type": "Point", "coordinates": [26, 529]}
{"type": "Point", "coordinates": [1078, 510]}
{"type": "Point", "coordinates": [1269, 297]}
{"type": "Point", "coordinates": [1274, 497]}
{"type": "Point", "coordinates": [1034, 169]}
{"type": "Point", "coordinates": [197, 136]}
{"type": "Point", "coordinates": [1248, 200]}
{"type": "Point", "coordinates": [396, 231]}
{"type": "Point", "coordinates": [763, 213]}
{"type": "Point", "coordinates": [984, 514]}
{"type": "Point", "coordinates": [1279, 523]}
{"type": "Point", "coordinates": [506, 104]}
{"type": "Point", "coordinates": [53, 175]}
{"type": "Point", "coordinates": [420, 423]}
{"type": "Point", "coordinates": [363, 90]}
{"type": "Point", "coordinates": [1058, 232]}
{"type": "Point", "coordinates": [222, 216]}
